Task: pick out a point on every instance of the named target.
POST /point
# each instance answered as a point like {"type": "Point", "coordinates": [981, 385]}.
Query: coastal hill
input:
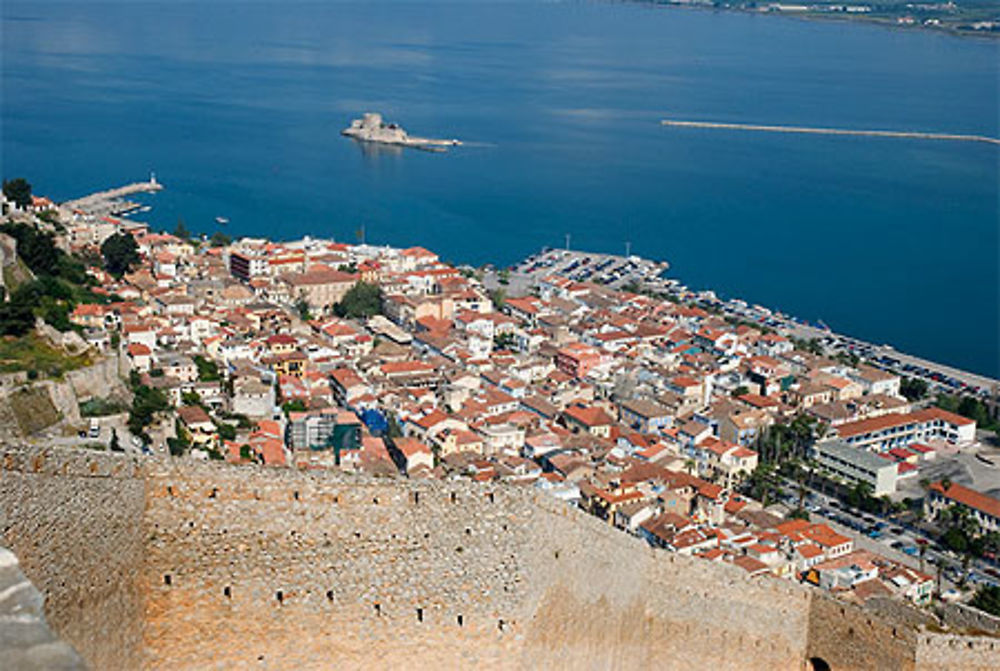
{"type": "Point", "coordinates": [150, 563]}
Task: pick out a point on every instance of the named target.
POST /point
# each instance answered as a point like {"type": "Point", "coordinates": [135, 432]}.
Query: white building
{"type": "Point", "coordinates": [857, 465]}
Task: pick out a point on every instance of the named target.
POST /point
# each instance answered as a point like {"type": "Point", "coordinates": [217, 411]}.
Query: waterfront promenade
{"type": "Point", "coordinates": [916, 135]}
{"type": "Point", "coordinates": [871, 351]}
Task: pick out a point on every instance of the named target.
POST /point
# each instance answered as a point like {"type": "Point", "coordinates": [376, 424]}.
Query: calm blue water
{"type": "Point", "coordinates": [237, 109]}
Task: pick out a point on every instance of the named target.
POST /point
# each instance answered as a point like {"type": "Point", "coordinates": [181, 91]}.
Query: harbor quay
{"type": "Point", "coordinates": [649, 276]}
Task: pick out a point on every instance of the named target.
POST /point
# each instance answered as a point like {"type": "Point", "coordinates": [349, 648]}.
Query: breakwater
{"type": "Point", "coordinates": [111, 202]}
{"type": "Point", "coordinates": [917, 135]}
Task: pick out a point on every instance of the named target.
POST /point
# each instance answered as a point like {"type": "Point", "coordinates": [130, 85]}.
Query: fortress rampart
{"type": "Point", "coordinates": [177, 564]}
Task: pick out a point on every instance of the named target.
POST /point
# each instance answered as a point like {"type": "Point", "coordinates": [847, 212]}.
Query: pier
{"type": "Point", "coordinates": [917, 135]}
{"type": "Point", "coordinates": [150, 186]}
{"type": "Point", "coordinates": [112, 201]}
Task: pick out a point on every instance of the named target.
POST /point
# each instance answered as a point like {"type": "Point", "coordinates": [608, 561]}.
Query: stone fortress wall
{"type": "Point", "coordinates": [74, 522]}
{"type": "Point", "coordinates": [170, 564]}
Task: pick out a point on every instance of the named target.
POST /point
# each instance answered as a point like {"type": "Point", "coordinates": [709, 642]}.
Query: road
{"type": "Point", "coordinates": [851, 523]}
{"type": "Point", "coordinates": [879, 353]}
{"type": "Point", "coordinates": [126, 440]}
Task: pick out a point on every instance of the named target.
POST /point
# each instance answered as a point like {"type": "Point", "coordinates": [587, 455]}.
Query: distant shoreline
{"type": "Point", "coordinates": [885, 21]}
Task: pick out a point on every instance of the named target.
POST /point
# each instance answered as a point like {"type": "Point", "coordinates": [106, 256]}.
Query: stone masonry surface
{"type": "Point", "coordinates": [26, 642]}
{"type": "Point", "coordinates": [167, 564]}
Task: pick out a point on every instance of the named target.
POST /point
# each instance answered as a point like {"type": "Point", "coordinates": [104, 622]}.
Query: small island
{"type": "Point", "coordinates": [371, 128]}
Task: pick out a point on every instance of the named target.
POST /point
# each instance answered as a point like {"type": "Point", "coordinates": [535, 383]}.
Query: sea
{"type": "Point", "coordinates": [237, 108]}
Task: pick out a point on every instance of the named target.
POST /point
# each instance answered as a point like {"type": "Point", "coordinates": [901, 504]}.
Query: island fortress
{"type": "Point", "coordinates": [371, 128]}
{"type": "Point", "coordinates": [168, 564]}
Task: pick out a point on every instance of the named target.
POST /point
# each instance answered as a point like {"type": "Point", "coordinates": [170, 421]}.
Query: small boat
{"type": "Point", "coordinates": [221, 220]}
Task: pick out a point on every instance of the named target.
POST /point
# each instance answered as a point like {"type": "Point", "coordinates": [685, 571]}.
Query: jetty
{"type": "Point", "coordinates": [112, 201]}
{"type": "Point", "coordinates": [918, 135]}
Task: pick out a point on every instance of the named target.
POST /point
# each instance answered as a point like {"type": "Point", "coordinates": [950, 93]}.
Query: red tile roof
{"type": "Point", "coordinates": [969, 497]}
{"type": "Point", "coordinates": [588, 416]}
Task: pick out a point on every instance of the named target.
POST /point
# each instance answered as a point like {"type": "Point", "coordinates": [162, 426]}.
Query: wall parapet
{"type": "Point", "coordinates": [195, 563]}
{"type": "Point", "coordinates": [59, 462]}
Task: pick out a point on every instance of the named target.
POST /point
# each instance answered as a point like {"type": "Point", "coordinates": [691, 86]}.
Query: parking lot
{"type": "Point", "coordinates": [607, 269]}
{"type": "Point", "coordinates": [977, 467]}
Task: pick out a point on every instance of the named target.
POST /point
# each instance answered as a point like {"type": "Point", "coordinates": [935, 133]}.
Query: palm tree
{"type": "Point", "coordinates": [966, 560]}
{"type": "Point", "coordinates": [922, 547]}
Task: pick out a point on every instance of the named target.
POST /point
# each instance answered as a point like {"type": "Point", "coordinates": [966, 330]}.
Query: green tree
{"type": "Point", "coordinates": [848, 359]}
{"type": "Point", "coordinates": [987, 599]}
{"type": "Point", "coordinates": [362, 300]}
{"type": "Point", "coordinates": [393, 430]}
{"type": "Point", "coordinates": [227, 431]}
{"type": "Point", "coordinates": [295, 405]}
{"type": "Point", "coordinates": [740, 391]}
{"type": "Point", "coordinates": [860, 496]}
{"type": "Point", "coordinates": [181, 443]}
{"type": "Point", "coordinates": [975, 409]}
{"type": "Point", "coordinates": [505, 341]}
{"type": "Point", "coordinates": [146, 402]}
{"type": "Point", "coordinates": [302, 307]}
{"type": "Point", "coordinates": [115, 445]}
{"type": "Point", "coordinates": [36, 248]}
{"type": "Point", "coordinates": [181, 231]}
{"type": "Point", "coordinates": [912, 388]}
{"type": "Point", "coordinates": [120, 253]}
{"type": "Point", "coordinates": [498, 297]}
{"type": "Point", "coordinates": [219, 239]}
{"type": "Point", "coordinates": [16, 319]}
{"type": "Point", "coordinates": [208, 370]}
{"type": "Point", "coordinates": [18, 190]}
{"type": "Point", "coordinates": [947, 402]}
{"type": "Point", "coordinates": [812, 345]}
{"type": "Point", "coordinates": [763, 483]}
